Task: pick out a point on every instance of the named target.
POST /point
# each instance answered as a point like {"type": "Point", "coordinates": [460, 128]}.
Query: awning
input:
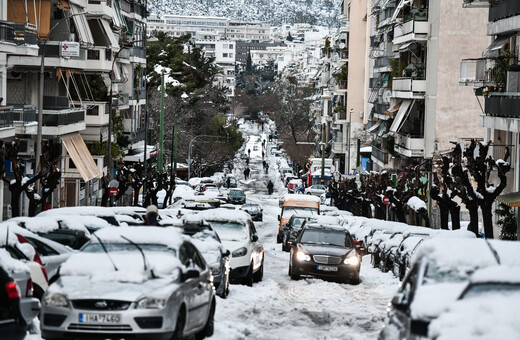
{"type": "Point", "coordinates": [77, 150]}
{"type": "Point", "coordinates": [81, 24]}
{"type": "Point", "coordinates": [391, 111]}
{"type": "Point", "coordinates": [402, 114]}
{"type": "Point", "coordinates": [499, 43]}
{"type": "Point", "coordinates": [375, 127]}
{"type": "Point", "coordinates": [512, 200]}
{"type": "Point", "coordinates": [382, 129]}
{"type": "Point", "coordinates": [110, 35]}
{"type": "Point", "coordinates": [405, 46]}
{"type": "Point", "coordinates": [399, 7]}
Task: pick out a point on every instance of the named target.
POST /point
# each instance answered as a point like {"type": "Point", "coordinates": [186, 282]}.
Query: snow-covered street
{"type": "Point", "coordinates": [279, 307]}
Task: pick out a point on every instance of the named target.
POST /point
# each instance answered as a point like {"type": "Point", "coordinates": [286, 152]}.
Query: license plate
{"type": "Point", "coordinates": [99, 318]}
{"type": "Point", "coordinates": [328, 268]}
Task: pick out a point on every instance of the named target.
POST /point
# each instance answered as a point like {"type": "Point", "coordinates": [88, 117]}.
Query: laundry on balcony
{"type": "Point", "coordinates": [498, 46]}
{"type": "Point", "coordinates": [80, 155]}
{"type": "Point", "coordinates": [512, 200]}
{"type": "Point", "coordinates": [391, 111]}
{"type": "Point", "coordinates": [82, 28]}
{"type": "Point", "coordinates": [402, 114]}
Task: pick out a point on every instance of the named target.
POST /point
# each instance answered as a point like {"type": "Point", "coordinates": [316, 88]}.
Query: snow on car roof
{"type": "Point", "coordinates": [47, 224]}
{"type": "Point", "coordinates": [128, 210]}
{"type": "Point", "coordinates": [467, 253]}
{"type": "Point", "coordinates": [408, 245]}
{"type": "Point", "coordinates": [432, 299]}
{"type": "Point", "coordinates": [507, 274]}
{"type": "Point", "coordinates": [301, 197]}
{"type": "Point", "coordinates": [324, 219]}
{"type": "Point", "coordinates": [7, 233]}
{"type": "Point", "coordinates": [91, 211]}
{"type": "Point", "coordinates": [224, 215]}
{"type": "Point", "coordinates": [12, 265]}
{"type": "Point", "coordinates": [168, 236]}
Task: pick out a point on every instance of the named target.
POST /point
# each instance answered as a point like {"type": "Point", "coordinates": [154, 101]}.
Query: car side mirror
{"type": "Point", "coordinates": [399, 301]}
{"type": "Point", "coordinates": [254, 238]}
{"type": "Point", "coordinates": [190, 274]}
{"type": "Point", "coordinates": [279, 218]}
{"type": "Point", "coordinates": [226, 252]}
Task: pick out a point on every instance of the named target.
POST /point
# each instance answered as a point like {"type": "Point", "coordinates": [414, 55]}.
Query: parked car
{"type": "Point", "coordinates": [237, 196]}
{"type": "Point", "coordinates": [254, 210]}
{"type": "Point", "coordinates": [325, 252]}
{"type": "Point", "coordinates": [18, 307]}
{"type": "Point", "coordinates": [316, 190]}
{"type": "Point", "coordinates": [290, 230]}
{"type": "Point", "coordinates": [208, 243]}
{"type": "Point", "coordinates": [238, 234]}
{"type": "Point", "coordinates": [293, 184]}
{"type": "Point", "coordinates": [486, 309]}
{"type": "Point", "coordinates": [440, 270]}
{"type": "Point", "coordinates": [293, 204]}
{"type": "Point", "coordinates": [232, 181]}
{"type": "Point", "coordinates": [132, 282]}
{"type": "Point", "coordinates": [104, 213]}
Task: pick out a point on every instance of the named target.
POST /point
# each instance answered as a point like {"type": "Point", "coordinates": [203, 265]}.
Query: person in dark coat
{"type": "Point", "coordinates": [270, 187]}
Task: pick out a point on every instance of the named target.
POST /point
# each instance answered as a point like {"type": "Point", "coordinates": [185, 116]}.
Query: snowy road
{"type": "Point", "coordinates": [278, 307]}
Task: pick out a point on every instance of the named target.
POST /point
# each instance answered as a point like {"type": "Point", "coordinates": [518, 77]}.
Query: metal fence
{"type": "Point", "coordinates": [6, 31]}
{"type": "Point", "coordinates": [504, 9]}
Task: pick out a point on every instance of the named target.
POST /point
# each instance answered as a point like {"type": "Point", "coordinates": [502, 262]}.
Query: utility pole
{"type": "Point", "coordinates": [348, 140]}
{"type": "Point", "coordinates": [160, 158]}
{"type": "Point", "coordinates": [323, 153]}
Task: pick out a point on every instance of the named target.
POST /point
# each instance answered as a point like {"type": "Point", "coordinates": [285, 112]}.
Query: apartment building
{"type": "Point", "coordinates": [224, 52]}
{"type": "Point", "coordinates": [84, 49]}
{"type": "Point", "coordinates": [417, 108]}
{"type": "Point", "coordinates": [494, 74]}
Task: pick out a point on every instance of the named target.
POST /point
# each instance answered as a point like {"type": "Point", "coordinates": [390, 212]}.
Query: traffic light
{"type": "Point", "coordinates": [270, 138]}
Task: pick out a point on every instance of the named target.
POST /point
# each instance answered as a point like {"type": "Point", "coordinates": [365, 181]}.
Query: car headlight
{"type": "Point", "coordinates": [151, 303]}
{"type": "Point", "coordinates": [240, 252]}
{"type": "Point", "coordinates": [56, 299]}
{"type": "Point", "coordinates": [352, 260]}
{"type": "Point", "coordinates": [301, 256]}
{"type": "Point", "coordinates": [216, 269]}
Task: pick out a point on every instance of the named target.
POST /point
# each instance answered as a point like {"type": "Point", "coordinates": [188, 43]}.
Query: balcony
{"type": "Point", "coordinates": [476, 72]}
{"type": "Point", "coordinates": [475, 3]}
{"type": "Point", "coordinates": [499, 152]}
{"type": "Point", "coordinates": [382, 65]}
{"type": "Point", "coordinates": [409, 145]}
{"type": "Point", "coordinates": [504, 105]}
{"type": "Point", "coordinates": [136, 137]}
{"type": "Point", "coordinates": [99, 59]}
{"type": "Point", "coordinates": [338, 148]}
{"type": "Point", "coordinates": [138, 93]}
{"type": "Point", "coordinates": [380, 155]}
{"type": "Point", "coordinates": [59, 118]}
{"type": "Point", "coordinates": [7, 31]}
{"type": "Point", "coordinates": [344, 25]}
{"type": "Point", "coordinates": [408, 88]}
{"type": "Point", "coordinates": [412, 30]}
{"type": "Point", "coordinates": [138, 52]}
{"type": "Point", "coordinates": [504, 17]}
{"type": "Point", "coordinates": [25, 34]}
{"type": "Point", "coordinates": [121, 99]}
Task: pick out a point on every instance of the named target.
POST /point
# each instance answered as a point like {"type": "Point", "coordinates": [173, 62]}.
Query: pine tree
{"type": "Point", "coordinates": [507, 222]}
{"type": "Point", "coordinates": [249, 62]}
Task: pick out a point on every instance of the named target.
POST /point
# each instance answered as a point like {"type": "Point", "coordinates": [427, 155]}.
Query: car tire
{"type": "Point", "coordinates": [259, 275]}
{"type": "Point", "coordinates": [285, 247]}
{"type": "Point", "coordinates": [293, 274]}
{"type": "Point", "coordinates": [209, 327]}
{"type": "Point", "coordinates": [248, 280]}
{"type": "Point", "coordinates": [354, 281]}
{"type": "Point", "coordinates": [279, 238]}
{"type": "Point", "coordinates": [178, 333]}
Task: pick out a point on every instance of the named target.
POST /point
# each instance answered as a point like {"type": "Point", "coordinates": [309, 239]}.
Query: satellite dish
{"type": "Point", "coordinates": [342, 45]}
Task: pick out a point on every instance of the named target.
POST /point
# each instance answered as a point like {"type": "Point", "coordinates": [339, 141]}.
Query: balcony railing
{"type": "Point", "coordinates": [121, 99]}
{"type": "Point", "coordinates": [499, 152]}
{"type": "Point", "coordinates": [476, 72]}
{"type": "Point", "coordinates": [25, 33]}
{"type": "Point", "coordinates": [380, 155]}
{"type": "Point", "coordinates": [63, 117]}
{"type": "Point", "coordinates": [414, 26]}
{"type": "Point", "coordinates": [504, 9]}
{"type": "Point", "coordinates": [7, 31]}
{"type": "Point", "coordinates": [381, 62]}
{"type": "Point", "coordinates": [409, 145]}
{"type": "Point", "coordinates": [475, 3]}
{"type": "Point", "coordinates": [502, 105]}
{"type": "Point", "coordinates": [409, 84]}
{"type": "Point", "coordinates": [137, 136]}
{"type": "Point", "coordinates": [139, 52]}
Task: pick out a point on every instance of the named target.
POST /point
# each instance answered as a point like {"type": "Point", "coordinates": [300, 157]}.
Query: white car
{"type": "Point", "coordinates": [316, 190]}
{"type": "Point", "coordinates": [238, 234]}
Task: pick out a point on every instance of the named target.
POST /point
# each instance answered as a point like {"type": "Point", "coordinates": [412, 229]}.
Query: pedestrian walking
{"type": "Point", "coordinates": [249, 152]}
{"type": "Point", "coordinates": [245, 173]}
{"type": "Point", "coordinates": [228, 182]}
{"type": "Point", "coordinates": [247, 161]}
{"type": "Point", "coordinates": [266, 168]}
{"type": "Point", "coordinates": [270, 187]}
{"type": "Point", "coordinates": [248, 171]}
{"type": "Point", "coordinates": [263, 153]}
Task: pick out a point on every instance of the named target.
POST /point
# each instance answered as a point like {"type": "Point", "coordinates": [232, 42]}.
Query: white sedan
{"type": "Point", "coordinates": [316, 190]}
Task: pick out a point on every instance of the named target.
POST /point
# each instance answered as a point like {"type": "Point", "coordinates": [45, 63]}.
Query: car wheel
{"type": "Point", "coordinates": [178, 333]}
{"type": "Point", "coordinates": [293, 274]}
{"type": "Point", "coordinates": [278, 238]}
{"type": "Point", "coordinates": [309, 193]}
{"type": "Point", "coordinates": [209, 328]}
{"type": "Point", "coordinates": [248, 280]}
{"type": "Point", "coordinates": [285, 247]}
{"type": "Point", "coordinates": [354, 280]}
{"type": "Point", "coordinates": [259, 275]}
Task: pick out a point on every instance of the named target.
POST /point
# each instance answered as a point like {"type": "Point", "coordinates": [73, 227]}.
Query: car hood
{"type": "Point", "coordinates": [432, 299]}
{"type": "Point", "coordinates": [82, 287]}
{"type": "Point", "coordinates": [232, 245]}
{"type": "Point", "coordinates": [323, 250]}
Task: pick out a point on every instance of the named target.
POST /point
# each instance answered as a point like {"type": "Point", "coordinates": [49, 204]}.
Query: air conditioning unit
{"type": "Point", "coordinates": [26, 147]}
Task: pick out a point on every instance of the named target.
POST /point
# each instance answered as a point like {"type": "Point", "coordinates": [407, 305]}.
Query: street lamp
{"type": "Point", "coordinates": [40, 94]}
{"type": "Point", "coordinates": [348, 140]}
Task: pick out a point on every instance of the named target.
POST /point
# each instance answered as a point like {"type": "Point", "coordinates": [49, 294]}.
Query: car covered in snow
{"type": "Point", "coordinates": [316, 190]}
{"type": "Point", "coordinates": [441, 268]}
{"type": "Point", "coordinates": [254, 210]}
{"type": "Point", "coordinates": [237, 196]}
{"type": "Point", "coordinates": [293, 184]}
{"type": "Point", "coordinates": [103, 213]}
{"type": "Point", "coordinates": [145, 282]}
{"type": "Point", "coordinates": [18, 306]}
{"type": "Point", "coordinates": [486, 309]}
{"type": "Point", "coordinates": [324, 251]}
{"type": "Point", "coordinates": [238, 234]}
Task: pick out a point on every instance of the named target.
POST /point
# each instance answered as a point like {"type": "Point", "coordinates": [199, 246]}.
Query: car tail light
{"type": "Point", "coordinates": [45, 274]}
{"type": "Point", "coordinates": [12, 290]}
{"type": "Point", "coordinates": [29, 290]}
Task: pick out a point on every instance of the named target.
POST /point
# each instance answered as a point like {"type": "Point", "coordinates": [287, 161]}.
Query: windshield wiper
{"type": "Point", "coordinates": [138, 248]}
{"type": "Point", "coordinates": [106, 251]}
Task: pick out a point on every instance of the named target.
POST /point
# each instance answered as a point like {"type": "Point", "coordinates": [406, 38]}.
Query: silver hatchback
{"type": "Point", "coordinates": [138, 282]}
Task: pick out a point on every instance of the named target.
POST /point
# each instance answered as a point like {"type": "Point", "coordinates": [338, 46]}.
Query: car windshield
{"type": "Point", "coordinates": [319, 187]}
{"type": "Point", "coordinates": [492, 288]}
{"type": "Point", "coordinates": [236, 193]}
{"type": "Point", "coordinates": [229, 231]}
{"type": "Point", "coordinates": [436, 274]}
{"type": "Point", "coordinates": [329, 237]}
{"type": "Point", "coordinates": [289, 211]}
{"type": "Point", "coordinates": [297, 222]}
{"type": "Point", "coordinates": [121, 247]}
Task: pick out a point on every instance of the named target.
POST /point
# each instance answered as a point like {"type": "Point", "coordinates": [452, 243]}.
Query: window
{"type": "Point", "coordinates": [93, 111]}
{"type": "Point", "coordinates": [224, 55]}
{"type": "Point", "coordinates": [231, 55]}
